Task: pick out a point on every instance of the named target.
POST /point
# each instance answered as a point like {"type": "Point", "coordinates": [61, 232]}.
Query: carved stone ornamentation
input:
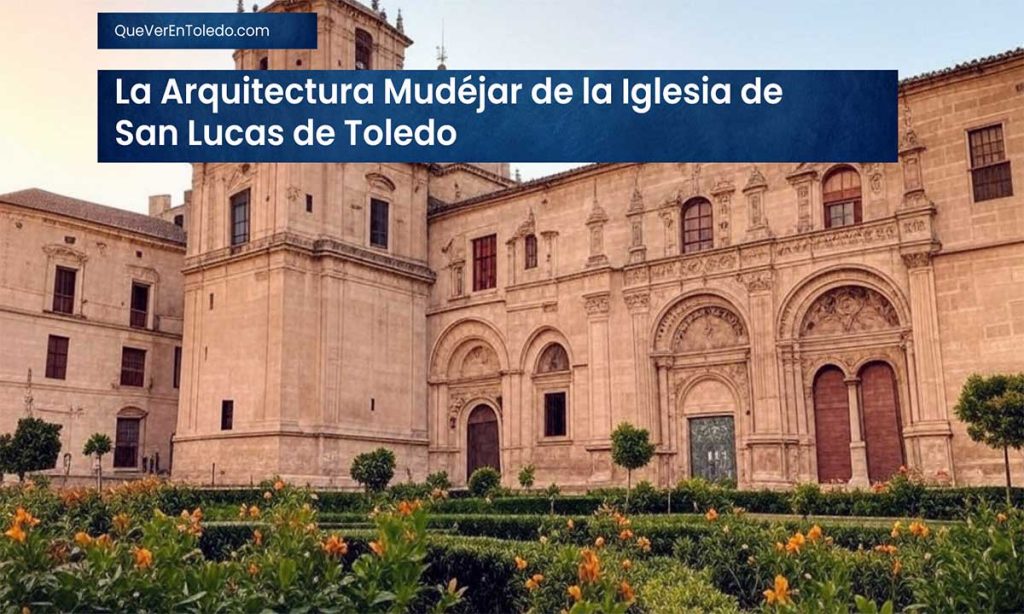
{"type": "Point", "coordinates": [801, 179]}
{"type": "Point", "coordinates": [709, 328]}
{"type": "Point", "coordinates": [758, 281]}
{"type": "Point", "coordinates": [596, 304]}
{"type": "Point", "coordinates": [637, 301]}
{"type": "Point", "coordinates": [595, 224]}
{"type": "Point", "coordinates": [668, 217]}
{"type": "Point", "coordinates": [916, 260]}
{"type": "Point", "coordinates": [722, 193]}
{"type": "Point", "coordinates": [849, 309]}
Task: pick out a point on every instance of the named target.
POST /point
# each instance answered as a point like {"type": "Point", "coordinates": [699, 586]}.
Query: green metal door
{"type": "Point", "coordinates": [713, 448]}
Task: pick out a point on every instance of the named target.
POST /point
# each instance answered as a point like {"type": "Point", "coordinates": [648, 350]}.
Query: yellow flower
{"type": "Point", "coordinates": [24, 518]}
{"type": "Point", "coordinates": [377, 547]}
{"type": "Point", "coordinates": [534, 582]}
{"type": "Point", "coordinates": [779, 594]}
{"type": "Point", "coordinates": [405, 508]}
{"type": "Point", "coordinates": [599, 542]}
{"type": "Point", "coordinates": [143, 558]}
{"type": "Point", "coordinates": [121, 522]}
{"type": "Point", "coordinates": [257, 537]}
{"type": "Point", "coordinates": [644, 544]}
{"type": "Point", "coordinates": [886, 548]}
{"type": "Point", "coordinates": [82, 539]}
{"type": "Point", "coordinates": [897, 528]}
{"type": "Point", "coordinates": [626, 535]}
{"type": "Point", "coordinates": [814, 534]}
{"type": "Point", "coordinates": [570, 524]}
{"type": "Point", "coordinates": [453, 585]}
{"type": "Point", "coordinates": [254, 512]}
{"type": "Point", "coordinates": [267, 496]}
{"type": "Point", "coordinates": [1000, 517]}
{"type": "Point", "coordinates": [712, 515]}
{"type": "Point", "coordinates": [335, 546]}
{"type": "Point", "coordinates": [253, 569]}
{"type": "Point", "coordinates": [575, 592]}
{"type": "Point", "coordinates": [243, 511]}
{"type": "Point", "coordinates": [543, 539]}
{"type": "Point", "coordinates": [779, 546]}
{"type": "Point", "coordinates": [919, 529]}
{"type": "Point", "coordinates": [627, 564]}
{"type": "Point", "coordinates": [897, 567]}
{"type": "Point", "coordinates": [590, 566]}
{"type": "Point", "coordinates": [279, 485]}
{"type": "Point", "coordinates": [104, 541]}
{"type": "Point", "coordinates": [795, 543]}
{"type": "Point", "coordinates": [520, 563]}
{"type": "Point", "coordinates": [626, 591]}
{"type": "Point", "coordinates": [16, 533]}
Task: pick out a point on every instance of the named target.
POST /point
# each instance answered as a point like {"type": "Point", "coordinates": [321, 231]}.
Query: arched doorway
{"type": "Point", "coordinates": [832, 425]}
{"type": "Point", "coordinates": [482, 449]}
{"type": "Point", "coordinates": [882, 425]}
{"type": "Point", "coordinates": [709, 406]}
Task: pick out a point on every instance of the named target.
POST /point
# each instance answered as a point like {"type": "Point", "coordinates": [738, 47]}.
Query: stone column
{"type": "Point", "coordinates": [858, 449]}
{"type": "Point", "coordinates": [638, 304]}
{"type": "Point", "coordinates": [662, 437]}
{"type": "Point", "coordinates": [598, 371]}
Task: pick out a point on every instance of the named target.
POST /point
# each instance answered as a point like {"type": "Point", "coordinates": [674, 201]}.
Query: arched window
{"type": "Point", "coordinates": [698, 232]}
{"type": "Point", "coordinates": [841, 197]}
{"type": "Point", "coordinates": [554, 359]}
{"type": "Point", "coordinates": [531, 251]}
{"type": "Point", "coordinates": [364, 50]}
{"type": "Point", "coordinates": [553, 380]}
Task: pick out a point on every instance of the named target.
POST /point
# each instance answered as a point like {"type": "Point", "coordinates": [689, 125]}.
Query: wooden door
{"type": "Point", "coordinates": [882, 426]}
{"type": "Point", "coordinates": [832, 426]}
{"type": "Point", "coordinates": [482, 448]}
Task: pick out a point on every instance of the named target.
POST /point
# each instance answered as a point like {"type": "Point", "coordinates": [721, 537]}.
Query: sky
{"type": "Point", "coordinates": [48, 59]}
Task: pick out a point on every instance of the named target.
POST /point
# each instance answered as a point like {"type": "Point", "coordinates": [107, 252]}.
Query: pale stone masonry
{"type": "Point", "coordinates": [105, 251]}
{"type": "Point", "coordinates": [770, 323]}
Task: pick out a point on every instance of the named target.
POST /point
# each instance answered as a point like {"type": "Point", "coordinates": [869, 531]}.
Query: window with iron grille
{"type": "Point", "coordinates": [698, 229]}
{"type": "Point", "coordinates": [176, 378]}
{"type": "Point", "coordinates": [227, 415]}
{"type": "Point", "coordinates": [240, 218]}
{"type": "Point", "coordinates": [554, 414]}
{"type": "Point", "coordinates": [485, 262]}
{"type": "Point", "coordinates": [379, 223]}
{"type": "Point", "coordinates": [133, 367]}
{"type": "Point", "coordinates": [531, 251]}
{"type": "Point", "coordinates": [126, 443]}
{"type": "Point", "coordinates": [364, 50]}
{"type": "Point", "coordinates": [64, 290]}
{"type": "Point", "coordinates": [841, 197]}
{"type": "Point", "coordinates": [140, 305]}
{"type": "Point", "coordinates": [990, 170]}
{"type": "Point", "coordinates": [57, 357]}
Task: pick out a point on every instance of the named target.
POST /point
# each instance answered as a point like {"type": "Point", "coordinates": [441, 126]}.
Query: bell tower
{"type": "Point", "coordinates": [305, 296]}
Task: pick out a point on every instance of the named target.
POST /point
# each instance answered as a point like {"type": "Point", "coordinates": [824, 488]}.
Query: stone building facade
{"type": "Point", "coordinates": [90, 327]}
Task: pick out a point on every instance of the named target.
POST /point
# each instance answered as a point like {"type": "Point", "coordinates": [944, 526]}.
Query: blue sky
{"type": "Point", "coordinates": [47, 133]}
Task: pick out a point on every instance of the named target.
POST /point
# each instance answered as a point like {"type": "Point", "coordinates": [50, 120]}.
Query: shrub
{"type": "Point", "coordinates": [484, 481]}
{"type": "Point", "coordinates": [527, 475]}
{"type": "Point", "coordinates": [439, 480]}
{"type": "Point", "coordinates": [374, 469]}
{"type": "Point", "coordinates": [34, 446]}
{"type": "Point", "coordinates": [702, 495]}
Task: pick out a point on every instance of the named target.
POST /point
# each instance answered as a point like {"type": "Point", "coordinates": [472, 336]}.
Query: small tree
{"type": "Point", "coordinates": [34, 447]}
{"type": "Point", "coordinates": [993, 408]}
{"type": "Point", "coordinates": [631, 449]}
{"type": "Point", "coordinates": [484, 481]}
{"type": "Point", "coordinates": [98, 446]}
{"type": "Point", "coordinates": [527, 475]}
{"type": "Point", "coordinates": [374, 469]}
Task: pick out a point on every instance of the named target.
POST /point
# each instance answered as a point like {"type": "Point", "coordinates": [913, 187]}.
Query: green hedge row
{"type": "Point", "coordinates": [486, 567]}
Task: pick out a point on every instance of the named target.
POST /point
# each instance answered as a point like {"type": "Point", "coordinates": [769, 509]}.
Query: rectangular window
{"type": "Point", "coordinates": [133, 367]}
{"type": "Point", "coordinates": [176, 378]}
{"type": "Point", "coordinates": [57, 357]}
{"type": "Point", "coordinates": [64, 290]}
{"type": "Point", "coordinates": [126, 443]}
{"type": "Point", "coordinates": [240, 218]}
{"type": "Point", "coordinates": [530, 244]}
{"type": "Point", "coordinates": [990, 170]}
{"type": "Point", "coordinates": [140, 305]}
{"type": "Point", "coordinates": [227, 415]}
{"type": "Point", "coordinates": [485, 262]}
{"type": "Point", "coordinates": [379, 223]}
{"type": "Point", "coordinates": [840, 214]}
{"type": "Point", "coordinates": [554, 414]}
{"type": "Point", "coordinates": [309, 203]}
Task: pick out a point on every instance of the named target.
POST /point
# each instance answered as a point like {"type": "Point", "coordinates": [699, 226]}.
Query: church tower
{"type": "Point", "coordinates": [305, 296]}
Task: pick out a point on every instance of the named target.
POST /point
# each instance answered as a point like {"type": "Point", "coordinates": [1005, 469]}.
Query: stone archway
{"type": "Point", "coordinates": [482, 444]}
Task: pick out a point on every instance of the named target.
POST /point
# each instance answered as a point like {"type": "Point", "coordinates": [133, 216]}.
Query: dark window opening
{"type": "Point", "coordinates": [364, 50]}
{"type": "Point", "coordinates": [64, 290]}
{"type": "Point", "coordinates": [264, 63]}
{"type": "Point", "coordinates": [126, 443]}
{"type": "Point", "coordinates": [531, 251]}
{"type": "Point", "coordinates": [227, 415]}
{"type": "Point", "coordinates": [309, 203]}
{"type": "Point", "coordinates": [57, 357]}
{"type": "Point", "coordinates": [140, 305]}
{"type": "Point", "coordinates": [179, 220]}
{"type": "Point", "coordinates": [554, 414]}
{"type": "Point", "coordinates": [990, 170]}
{"type": "Point", "coordinates": [485, 262]}
{"type": "Point", "coordinates": [698, 230]}
{"type": "Point", "coordinates": [240, 218]}
{"type": "Point", "coordinates": [176, 378]}
{"type": "Point", "coordinates": [379, 223]}
{"type": "Point", "coordinates": [841, 197]}
{"type": "Point", "coordinates": [133, 367]}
